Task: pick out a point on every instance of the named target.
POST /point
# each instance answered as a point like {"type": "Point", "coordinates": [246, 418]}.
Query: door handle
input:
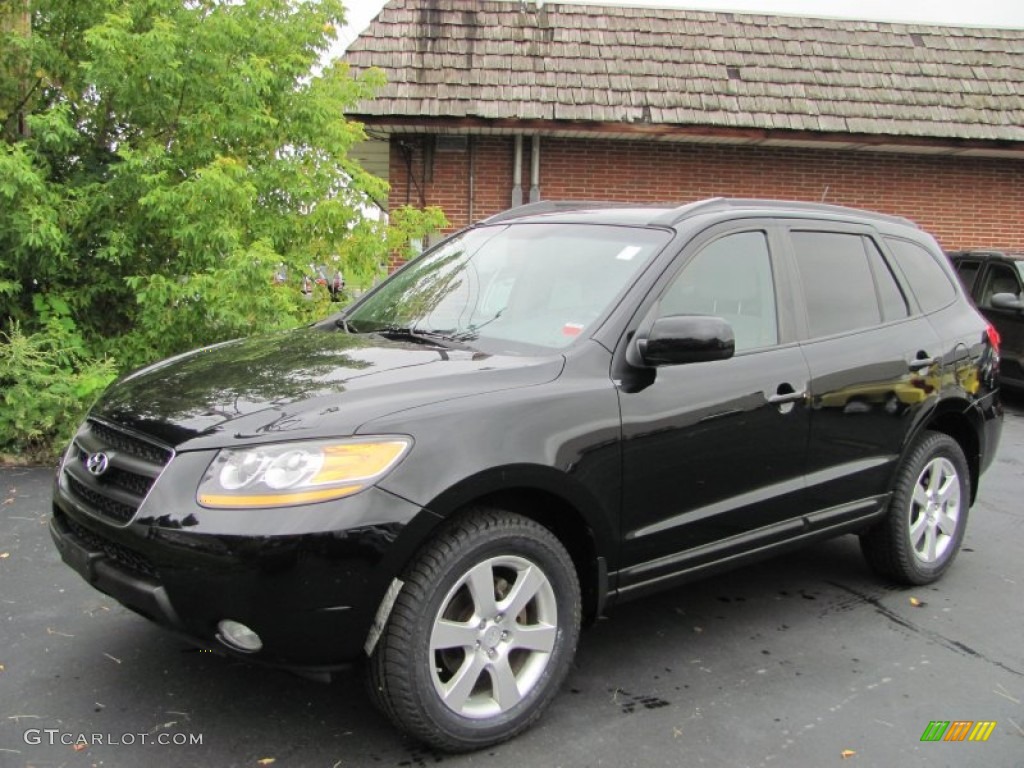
{"type": "Point", "coordinates": [921, 363]}
{"type": "Point", "coordinates": [781, 398]}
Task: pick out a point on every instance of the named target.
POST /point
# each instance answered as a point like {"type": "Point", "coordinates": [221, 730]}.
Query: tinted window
{"type": "Point", "coordinates": [839, 289]}
{"type": "Point", "coordinates": [968, 272]}
{"type": "Point", "coordinates": [1000, 278]}
{"type": "Point", "coordinates": [927, 279]}
{"type": "Point", "coordinates": [890, 298]}
{"type": "Point", "coordinates": [730, 278]}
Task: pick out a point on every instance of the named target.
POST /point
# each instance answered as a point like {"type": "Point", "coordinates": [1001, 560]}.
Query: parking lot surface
{"type": "Point", "coordinates": [806, 660]}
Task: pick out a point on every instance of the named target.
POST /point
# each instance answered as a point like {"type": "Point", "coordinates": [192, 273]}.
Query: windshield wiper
{"type": "Point", "coordinates": [473, 331]}
{"type": "Point", "coordinates": [419, 336]}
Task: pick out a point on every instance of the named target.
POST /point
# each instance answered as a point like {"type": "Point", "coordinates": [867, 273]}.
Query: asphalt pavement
{"type": "Point", "coordinates": [806, 660]}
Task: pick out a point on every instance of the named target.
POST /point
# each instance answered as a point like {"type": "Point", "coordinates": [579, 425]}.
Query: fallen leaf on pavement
{"type": "Point", "coordinates": [847, 753]}
{"type": "Point", "coordinates": [4, 555]}
{"type": "Point", "coordinates": [266, 760]}
{"type": "Point", "coordinates": [916, 603]}
{"type": "Point", "coordinates": [78, 747]}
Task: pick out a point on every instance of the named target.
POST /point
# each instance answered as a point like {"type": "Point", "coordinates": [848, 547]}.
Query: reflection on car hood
{"type": "Point", "coordinates": [305, 383]}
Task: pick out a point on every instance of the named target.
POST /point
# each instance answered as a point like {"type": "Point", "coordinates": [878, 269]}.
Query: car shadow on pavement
{"type": "Point", "coordinates": [124, 674]}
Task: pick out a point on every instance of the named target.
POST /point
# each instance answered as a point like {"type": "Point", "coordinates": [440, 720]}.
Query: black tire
{"type": "Point", "coordinates": [444, 629]}
{"type": "Point", "coordinates": [920, 536]}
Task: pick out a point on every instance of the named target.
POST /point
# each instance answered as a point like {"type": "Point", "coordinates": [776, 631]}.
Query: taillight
{"type": "Point", "coordinates": [993, 337]}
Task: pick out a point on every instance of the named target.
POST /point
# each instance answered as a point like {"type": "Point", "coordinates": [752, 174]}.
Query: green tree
{"type": "Point", "coordinates": [161, 159]}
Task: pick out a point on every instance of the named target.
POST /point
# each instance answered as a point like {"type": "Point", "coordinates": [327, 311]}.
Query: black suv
{"type": "Point", "coordinates": [564, 406]}
{"type": "Point", "coordinates": [995, 280]}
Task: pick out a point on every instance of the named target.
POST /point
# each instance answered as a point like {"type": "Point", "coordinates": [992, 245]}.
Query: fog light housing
{"type": "Point", "coordinates": [238, 637]}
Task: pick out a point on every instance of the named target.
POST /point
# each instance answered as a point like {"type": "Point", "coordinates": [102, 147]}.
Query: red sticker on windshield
{"type": "Point", "coordinates": [572, 329]}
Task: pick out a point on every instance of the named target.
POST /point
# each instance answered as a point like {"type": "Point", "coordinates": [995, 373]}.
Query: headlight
{"type": "Point", "coordinates": [297, 473]}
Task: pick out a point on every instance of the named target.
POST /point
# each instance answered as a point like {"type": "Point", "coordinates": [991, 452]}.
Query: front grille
{"type": "Point", "coordinates": [126, 558]}
{"type": "Point", "coordinates": [122, 441]}
{"type": "Point", "coordinates": [115, 510]}
{"type": "Point", "coordinates": [137, 484]}
{"type": "Point", "coordinates": [132, 466]}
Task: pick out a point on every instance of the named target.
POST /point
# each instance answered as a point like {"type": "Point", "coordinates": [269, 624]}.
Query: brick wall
{"type": "Point", "coordinates": [963, 202]}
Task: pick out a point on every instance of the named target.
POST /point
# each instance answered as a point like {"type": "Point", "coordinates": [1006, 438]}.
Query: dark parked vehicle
{"type": "Point", "coordinates": [995, 281]}
{"type": "Point", "coordinates": [564, 406]}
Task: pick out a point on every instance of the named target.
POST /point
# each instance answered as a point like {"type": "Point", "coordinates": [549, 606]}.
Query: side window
{"type": "Point", "coordinates": [838, 285]}
{"type": "Point", "coordinates": [890, 297]}
{"type": "Point", "coordinates": [730, 278]}
{"type": "Point", "coordinates": [927, 279]}
{"type": "Point", "coordinates": [968, 273]}
{"type": "Point", "coordinates": [1000, 278]}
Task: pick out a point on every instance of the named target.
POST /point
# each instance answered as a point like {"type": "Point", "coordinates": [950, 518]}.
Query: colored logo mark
{"type": "Point", "coordinates": [958, 730]}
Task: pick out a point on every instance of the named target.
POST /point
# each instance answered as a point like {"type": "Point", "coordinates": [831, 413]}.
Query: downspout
{"type": "Point", "coordinates": [517, 172]}
{"type": "Point", "coordinates": [535, 169]}
{"type": "Point", "coordinates": [408, 177]}
{"type": "Point", "coordinates": [472, 177]}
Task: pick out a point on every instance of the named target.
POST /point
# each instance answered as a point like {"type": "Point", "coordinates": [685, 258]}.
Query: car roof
{"type": "Point", "coordinates": [657, 215]}
{"type": "Point", "coordinates": [985, 254]}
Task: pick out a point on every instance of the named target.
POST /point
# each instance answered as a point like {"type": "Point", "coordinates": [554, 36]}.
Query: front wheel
{"type": "Point", "coordinates": [482, 633]}
{"type": "Point", "coordinates": [921, 535]}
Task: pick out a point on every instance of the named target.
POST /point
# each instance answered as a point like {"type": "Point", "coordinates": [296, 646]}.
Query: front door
{"type": "Point", "coordinates": [713, 452]}
{"type": "Point", "coordinates": [1000, 277]}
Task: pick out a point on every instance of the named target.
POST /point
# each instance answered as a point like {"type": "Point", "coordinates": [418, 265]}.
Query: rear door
{"type": "Point", "coordinates": [874, 362]}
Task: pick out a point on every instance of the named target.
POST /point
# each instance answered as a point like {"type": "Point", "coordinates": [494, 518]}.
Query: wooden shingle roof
{"type": "Point", "coordinates": [508, 61]}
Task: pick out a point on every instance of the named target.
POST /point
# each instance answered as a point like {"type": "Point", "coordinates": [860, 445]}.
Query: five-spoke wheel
{"type": "Point", "coordinates": [935, 510]}
{"type": "Point", "coordinates": [493, 637]}
{"type": "Point", "coordinates": [482, 633]}
{"type": "Point", "coordinates": [921, 534]}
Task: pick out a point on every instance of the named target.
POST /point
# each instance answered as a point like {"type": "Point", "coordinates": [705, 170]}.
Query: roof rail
{"type": "Point", "coordinates": [710, 205]}
{"type": "Point", "coordinates": [551, 206]}
{"type": "Point", "coordinates": [978, 252]}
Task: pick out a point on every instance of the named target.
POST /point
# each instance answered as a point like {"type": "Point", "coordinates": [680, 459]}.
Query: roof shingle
{"type": "Point", "coordinates": [495, 60]}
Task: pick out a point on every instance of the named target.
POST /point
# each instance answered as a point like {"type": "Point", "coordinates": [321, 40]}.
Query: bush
{"type": "Point", "coordinates": [158, 160]}
{"type": "Point", "coordinates": [47, 382]}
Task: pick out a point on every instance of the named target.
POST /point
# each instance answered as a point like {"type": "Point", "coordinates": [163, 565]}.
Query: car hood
{"type": "Point", "coordinates": [307, 383]}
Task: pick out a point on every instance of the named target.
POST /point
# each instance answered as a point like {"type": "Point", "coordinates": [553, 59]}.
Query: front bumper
{"type": "Point", "coordinates": [311, 595]}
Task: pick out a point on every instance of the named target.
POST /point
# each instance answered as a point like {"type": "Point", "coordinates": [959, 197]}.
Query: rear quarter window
{"type": "Point", "coordinates": [928, 280]}
{"type": "Point", "coordinates": [968, 272]}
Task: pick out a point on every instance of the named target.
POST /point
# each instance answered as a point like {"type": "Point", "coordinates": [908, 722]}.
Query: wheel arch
{"type": "Point", "coordinates": [580, 521]}
{"type": "Point", "coordinates": [958, 420]}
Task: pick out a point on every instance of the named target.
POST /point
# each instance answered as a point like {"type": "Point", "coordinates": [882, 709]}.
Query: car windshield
{"type": "Point", "coordinates": [1020, 267]}
{"type": "Point", "coordinates": [505, 287]}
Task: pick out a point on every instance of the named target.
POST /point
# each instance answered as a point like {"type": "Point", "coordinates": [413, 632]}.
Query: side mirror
{"type": "Point", "coordinates": [679, 339]}
{"type": "Point", "coordinates": [1006, 301]}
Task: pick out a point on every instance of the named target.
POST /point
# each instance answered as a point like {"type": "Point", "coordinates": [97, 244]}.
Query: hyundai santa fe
{"type": "Point", "coordinates": [564, 406]}
{"type": "Point", "coordinates": [995, 280]}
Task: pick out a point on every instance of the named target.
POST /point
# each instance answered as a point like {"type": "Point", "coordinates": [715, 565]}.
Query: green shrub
{"type": "Point", "coordinates": [47, 382]}
{"type": "Point", "coordinates": [158, 160]}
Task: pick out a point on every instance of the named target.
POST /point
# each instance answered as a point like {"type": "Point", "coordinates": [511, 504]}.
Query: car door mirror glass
{"type": "Point", "coordinates": [679, 339]}
{"type": "Point", "coordinates": [1006, 301]}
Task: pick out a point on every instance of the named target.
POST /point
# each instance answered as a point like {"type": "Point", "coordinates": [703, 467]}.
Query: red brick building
{"type": "Point", "coordinates": [489, 104]}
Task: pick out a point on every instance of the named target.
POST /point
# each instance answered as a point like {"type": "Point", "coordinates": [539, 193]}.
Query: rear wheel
{"type": "Point", "coordinates": [922, 533]}
{"type": "Point", "coordinates": [482, 633]}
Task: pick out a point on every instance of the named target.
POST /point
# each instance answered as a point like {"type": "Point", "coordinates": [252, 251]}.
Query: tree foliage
{"type": "Point", "coordinates": [160, 160]}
